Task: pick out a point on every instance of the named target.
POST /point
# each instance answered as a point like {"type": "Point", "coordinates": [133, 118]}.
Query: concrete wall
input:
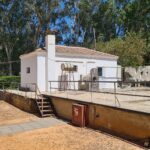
{"type": "Point", "coordinates": [130, 124]}
{"type": "Point", "coordinates": [44, 69]}
{"type": "Point", "coordinates": [41, 73]}
{"type": "Point", "coordinates": [84, 67]}
{"type": "Point", "coordinates": [28, 78]}
{"type": "Point", "coordinates": [20, 102]}
{"type": "Point", "coordinates": [126, 123]}
{"type": "Point", "coordinates": [50, 59]}
{"type": "Point", "coordinates": [37, 73]}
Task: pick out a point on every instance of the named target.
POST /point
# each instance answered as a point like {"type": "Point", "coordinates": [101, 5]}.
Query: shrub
{"type": "Point", "coordinates": [9, 81]}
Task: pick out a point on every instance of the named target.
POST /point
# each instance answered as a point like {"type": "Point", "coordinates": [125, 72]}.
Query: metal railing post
{"type": "Point", "coordinates": [50, 86]}
{"type": "Point", "coordinates": [26, 91]}
{"type": "Point", "coordinates": [91, 91]}
{"type": "Point", "coordinates": [116, 99]}
{"type": "Point", "coordinates": [3, 87]}
{"type": "Point", "coordinates": [115, 92]}
{"type": "Point", "coordinates": [66, 90]}
{"type": "Point", "coordinates": [35, 90]}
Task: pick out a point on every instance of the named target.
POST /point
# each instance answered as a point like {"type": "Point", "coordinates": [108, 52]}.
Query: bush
{"type": "Point", "coordinates": [10, 79]}
{"type": "Point", "coordinates": [9, 82]}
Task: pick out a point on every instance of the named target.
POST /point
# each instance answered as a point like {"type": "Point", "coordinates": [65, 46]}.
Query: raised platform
{"type": "Point", "coordinates": [136, 99]}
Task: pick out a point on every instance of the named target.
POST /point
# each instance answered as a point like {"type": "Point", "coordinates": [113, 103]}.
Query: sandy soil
{"type": "Point", "coordinates": [12, 115]}
{"type": "Point", "coordinates": [63, 137]}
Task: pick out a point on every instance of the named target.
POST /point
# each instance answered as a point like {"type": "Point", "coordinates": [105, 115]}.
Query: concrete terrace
{"type": "Point", "coordinates": [139, 100]}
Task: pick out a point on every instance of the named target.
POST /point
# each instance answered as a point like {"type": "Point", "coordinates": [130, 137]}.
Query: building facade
{"type": "Point", "coordinates": [66, 63]}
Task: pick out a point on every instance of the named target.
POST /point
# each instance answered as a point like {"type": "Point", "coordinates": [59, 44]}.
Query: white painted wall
{"type": "Point", "coordinates": [50, 59]}
{"type": "Point", "coordinates": [28, 78]}
{"type": "Point", "coordinates": [84, 67]}
{"type": "Point", "coordinates": [41, 73]}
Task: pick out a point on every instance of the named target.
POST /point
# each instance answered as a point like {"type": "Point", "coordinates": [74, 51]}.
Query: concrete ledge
{"type": "Point", "coordinates": [26, 104]}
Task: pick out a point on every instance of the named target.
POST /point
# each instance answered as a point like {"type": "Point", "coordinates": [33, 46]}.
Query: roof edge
{"type": "Point", "coordinates": [31, 54]}
{"type": "Point", "coordinates": [110, 55]}
{"type": "Point", "coordinates": [89, 57]}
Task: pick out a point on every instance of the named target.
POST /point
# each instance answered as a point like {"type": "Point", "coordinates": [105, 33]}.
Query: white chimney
{"type": "Point", "coordinates": [50, 60]}
{"type": "Point", "coordinates": [50, 46]}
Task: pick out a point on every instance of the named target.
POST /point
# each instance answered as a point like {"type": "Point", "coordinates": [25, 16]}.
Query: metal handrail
{"type": "Point", "coordinates": [115, 83]}
{"type": "Point", "coordinates": [38, 95]}
{"type": "Point", "coordinates": [125, 82]}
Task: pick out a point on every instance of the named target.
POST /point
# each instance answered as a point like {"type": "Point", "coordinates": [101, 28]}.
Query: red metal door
{"type": "Point", "coordinates": [79, 115]}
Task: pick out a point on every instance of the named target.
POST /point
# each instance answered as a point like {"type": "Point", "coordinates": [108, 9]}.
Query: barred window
{"type": "Point", "coordinates": [28, 70]}
{"type": "Point", "coordinates": [100, 71]}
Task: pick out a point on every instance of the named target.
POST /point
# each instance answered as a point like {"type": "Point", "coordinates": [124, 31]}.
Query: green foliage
{"type": "Point", "coordinates": [10, 79]}
{"type": "Point", "coordinates": [147, 56]}
{"type": "Point", "coordinates": [11, 82]}
{"type": "Point", "coordinates": [41, 14]}
{"type": "Point", "coordinates": [22, 25]}
{"type": "Point", "coordinates": [84, 19]}
{"type": "Point", "coordinates": [12, 29]}
{"type": "Point", "coordinates": [130, 49]}
{"type": "Point", "coordinates": [137, 18]}
{"type": "Point", "coordinates": [104, 21]}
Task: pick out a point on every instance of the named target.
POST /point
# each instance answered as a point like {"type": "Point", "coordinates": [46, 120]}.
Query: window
{"type": "Point", "coordinates": [100, 71]}
{"type": "Point", "coordinates": [28, 70]}
{"type": "Point", "coordinates": [75, 67]}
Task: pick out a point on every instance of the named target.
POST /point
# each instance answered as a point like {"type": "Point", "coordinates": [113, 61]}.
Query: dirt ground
{"type": "Point", "coordinates": [63, 137]}
{"type": "Point", "coordinates": [12, 115]}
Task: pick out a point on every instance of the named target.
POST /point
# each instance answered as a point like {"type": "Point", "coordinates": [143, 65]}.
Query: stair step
{"type": "Point", "coordinates": [47, 115]}
{"type": "Point", "coordinates": [46, 111]}
{"type": "Point", "coordinates": [43, 102]}
{"type": "Point", "coordinates": [45, 106]}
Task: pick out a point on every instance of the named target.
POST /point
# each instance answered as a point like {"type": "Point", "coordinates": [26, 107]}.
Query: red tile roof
{"type": "Point", "coordinates": [81, 52]}
{"type": "Point", "coordinates": [72, 51]}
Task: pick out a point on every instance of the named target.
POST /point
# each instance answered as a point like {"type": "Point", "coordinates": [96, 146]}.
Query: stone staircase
{"type": "Point", "coordinates": [44, 106]}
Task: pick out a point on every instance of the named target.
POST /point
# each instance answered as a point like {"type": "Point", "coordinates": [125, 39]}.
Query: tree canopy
{"type": "Point", "coordinates": [123, 25]}
{"type": "Point", "coordinates": [130, 49]}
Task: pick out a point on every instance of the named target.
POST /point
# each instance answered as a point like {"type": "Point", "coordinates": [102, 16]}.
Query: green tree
{"type": "Point", "coordinates": [137, 19]}
{"type": "Point", "coordinates": [41, 13]}
{"type": "Point", "coordinates": [105, 21]}
{"type": "Point", "coordinates": [23, 25]}
{"type": "Point", "coordinates": [84, 18]}
{"type": "Point", "coordinates": [130, 49]}
{"type": "Point", "coordinates": [12, 24]}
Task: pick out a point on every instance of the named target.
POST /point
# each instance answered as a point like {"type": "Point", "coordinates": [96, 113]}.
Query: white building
{"type": "Point", "coordinates": [44, 65]}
